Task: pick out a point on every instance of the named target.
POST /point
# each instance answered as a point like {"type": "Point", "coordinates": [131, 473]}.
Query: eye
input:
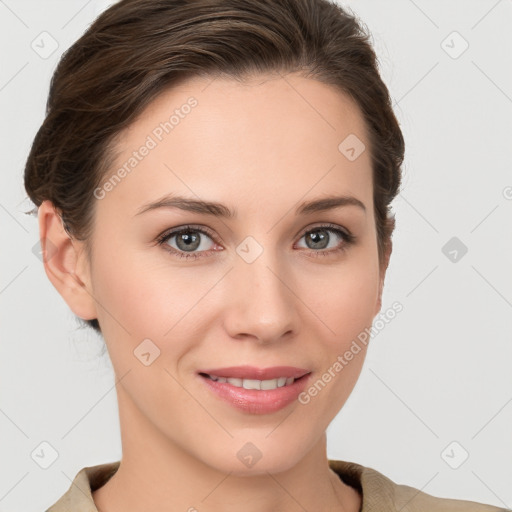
{"type": "Point", "coordinates": [188, 238]}
{"type": "Point", "coordinates": [318, 238]}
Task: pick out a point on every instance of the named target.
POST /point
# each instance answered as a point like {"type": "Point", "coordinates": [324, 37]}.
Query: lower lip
{"type": "Point", "coordinates": [257, 401]}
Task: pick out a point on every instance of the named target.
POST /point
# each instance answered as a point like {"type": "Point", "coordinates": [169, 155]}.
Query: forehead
{"type": "Point", "coordinates": [227, 140]}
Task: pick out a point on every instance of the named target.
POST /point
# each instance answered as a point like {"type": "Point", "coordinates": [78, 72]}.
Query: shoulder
{"type": "Point", "coordinates": [78, 497]}
{"type": "Point", "coordinates": [410, 499]}
{"type": "Point", "coordinates": [379, 493]}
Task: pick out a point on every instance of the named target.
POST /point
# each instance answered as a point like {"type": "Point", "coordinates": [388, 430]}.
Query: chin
{"type": "Point", "coordinates": [255, 458]}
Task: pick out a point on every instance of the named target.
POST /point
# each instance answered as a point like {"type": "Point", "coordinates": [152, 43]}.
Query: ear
{"type": "Point", "coordinates": [383, 269]}
{"type": "Point", "coordinates": [65, 263]}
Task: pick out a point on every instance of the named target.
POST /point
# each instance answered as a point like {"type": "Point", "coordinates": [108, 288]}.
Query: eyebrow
{"type": "Point", "coordinates": [221, 210]}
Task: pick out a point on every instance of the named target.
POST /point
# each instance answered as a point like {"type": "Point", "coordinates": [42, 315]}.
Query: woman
{"type": "Point", "coordinates": [213, 182]}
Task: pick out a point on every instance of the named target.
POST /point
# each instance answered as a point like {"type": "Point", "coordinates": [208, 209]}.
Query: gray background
{"type": "Point", "coordinates": [438, 373]}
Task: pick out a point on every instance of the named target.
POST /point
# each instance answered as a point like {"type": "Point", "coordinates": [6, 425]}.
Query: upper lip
{"type": "Point", "coordinates": [251, 372]}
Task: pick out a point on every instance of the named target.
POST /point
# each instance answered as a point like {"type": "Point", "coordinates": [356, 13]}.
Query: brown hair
{"type": "Point", "coordinates": [138, 48]}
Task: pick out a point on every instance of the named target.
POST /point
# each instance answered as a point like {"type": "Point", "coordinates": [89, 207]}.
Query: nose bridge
{"type": "Point", "coordinates": [262, 302]}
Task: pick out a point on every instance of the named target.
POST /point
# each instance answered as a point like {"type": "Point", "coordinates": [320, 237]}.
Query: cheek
{"type": "Point", "coordinates": [346, 312]}
{"type": "Point", "coordinates": [141, 299]}
{"type": "Point", "coordinates": [343, 300]}
{"type": "Point", "coordinates": [125, 294]}
{"type": "Point", "coordinates": [146, 326]}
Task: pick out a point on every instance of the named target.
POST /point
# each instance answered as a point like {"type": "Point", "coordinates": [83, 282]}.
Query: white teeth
{"type": "Point", "coordinates": [251, 384]}
{"type": "Point", "coordinates": [255, 384]}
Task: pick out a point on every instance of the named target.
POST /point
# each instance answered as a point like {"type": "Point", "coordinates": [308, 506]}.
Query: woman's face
{"type": "Point", "coordinates": [264, 287]}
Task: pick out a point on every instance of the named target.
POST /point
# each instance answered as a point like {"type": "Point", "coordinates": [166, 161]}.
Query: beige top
{"type": "Point", "coordinates": [379, 493]}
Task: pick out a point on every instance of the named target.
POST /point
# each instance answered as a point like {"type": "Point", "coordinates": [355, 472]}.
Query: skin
{"type": "Point", "coordinates": [261, 148]}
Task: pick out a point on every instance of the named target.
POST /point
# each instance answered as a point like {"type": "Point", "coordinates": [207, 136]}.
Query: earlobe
{"type": "Point", "coordinates": [63, 260]}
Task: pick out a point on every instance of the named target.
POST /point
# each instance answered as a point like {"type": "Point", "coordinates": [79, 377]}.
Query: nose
{"type": "Point", "coordinates": [262, 304]}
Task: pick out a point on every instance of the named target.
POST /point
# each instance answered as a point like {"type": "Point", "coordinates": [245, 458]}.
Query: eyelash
{"type": "Point", "coordinates": [348, 238]}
